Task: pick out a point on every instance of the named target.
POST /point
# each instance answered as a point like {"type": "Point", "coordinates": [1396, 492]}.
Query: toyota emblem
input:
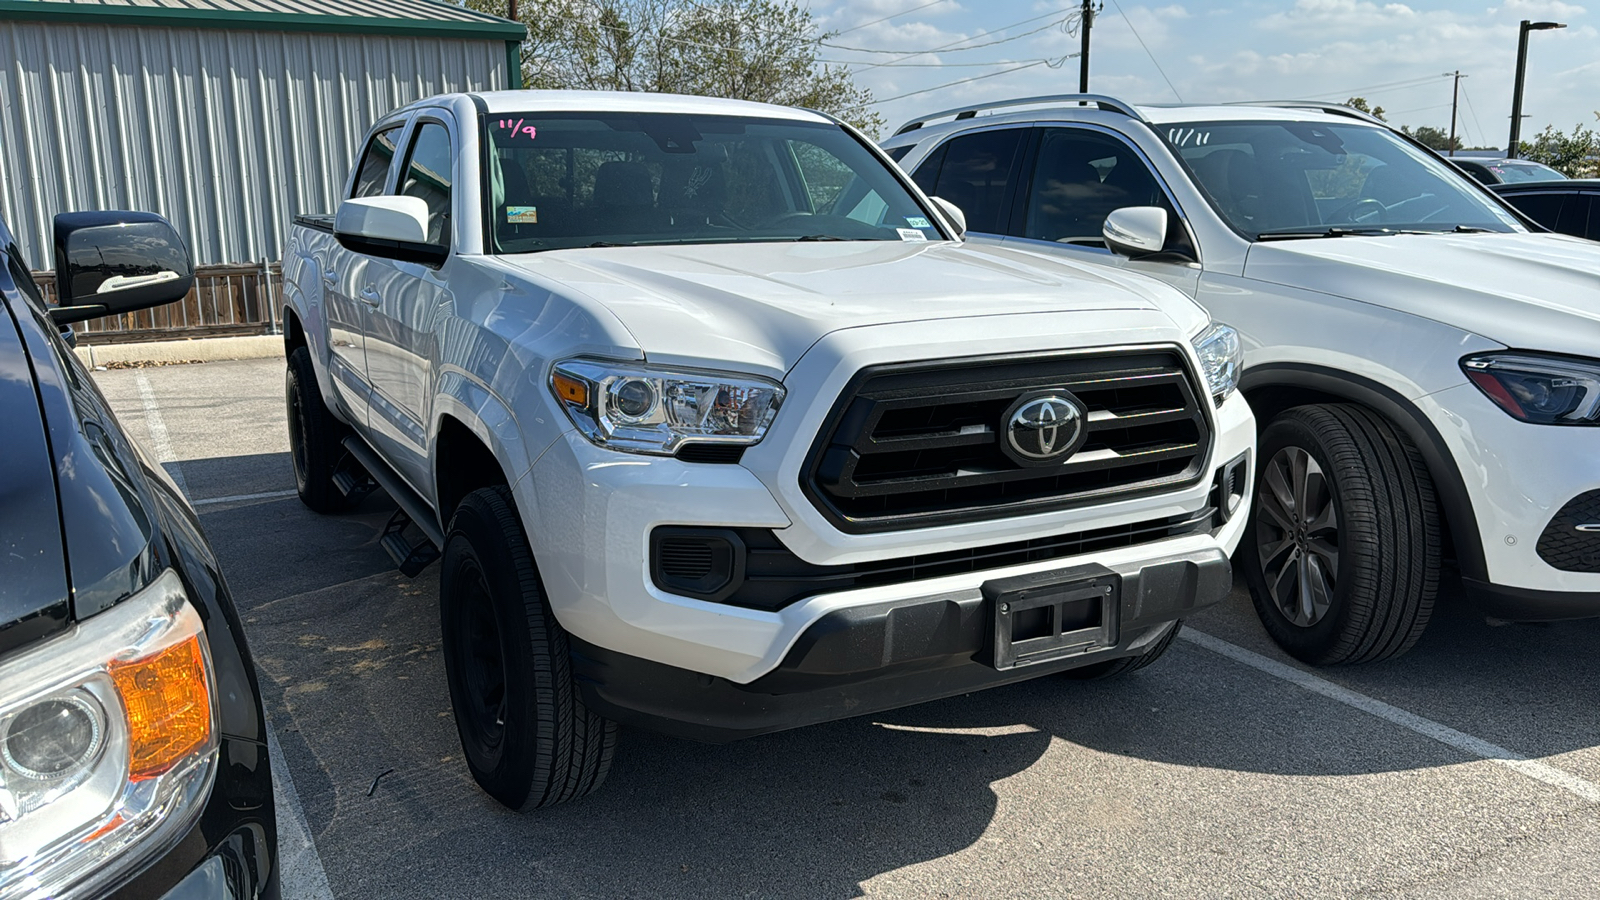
{"type": "Point", "coordinates": [1044, 429]}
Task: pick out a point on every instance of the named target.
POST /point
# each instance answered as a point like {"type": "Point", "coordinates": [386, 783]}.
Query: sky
{"type": "Point", "coordinates": [1393, 54]}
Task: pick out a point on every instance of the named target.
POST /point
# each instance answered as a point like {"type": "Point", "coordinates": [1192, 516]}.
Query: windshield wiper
{"type": "Point", "coordinates": [1291, 234]}
{"type": "Point", "coordinates": [824, 237]}
{"type": "Point", "coordinates": [1472, 229]}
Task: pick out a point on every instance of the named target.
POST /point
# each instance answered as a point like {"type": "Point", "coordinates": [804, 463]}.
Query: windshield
{"type": "Point", "coordinates": [582, 180]}
{"type": "Point", "coordinates": [1512, 173]}
{"type": "Point", "coordinates": [1307, 179]}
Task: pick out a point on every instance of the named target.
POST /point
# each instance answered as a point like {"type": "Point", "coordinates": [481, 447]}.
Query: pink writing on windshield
{"type": "Point", "coordinates": [517, 128]}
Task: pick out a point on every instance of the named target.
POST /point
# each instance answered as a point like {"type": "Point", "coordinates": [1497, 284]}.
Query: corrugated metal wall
{"type": "Point", "coordinates": [226, 133]}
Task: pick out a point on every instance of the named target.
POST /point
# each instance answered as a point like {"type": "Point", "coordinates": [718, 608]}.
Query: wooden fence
{"type": "Point", "coordinates": [236, 299]}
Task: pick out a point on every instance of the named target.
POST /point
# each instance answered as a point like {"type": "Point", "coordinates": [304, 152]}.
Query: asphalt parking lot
{"type": "Point", "coordinates": [1469, 768]}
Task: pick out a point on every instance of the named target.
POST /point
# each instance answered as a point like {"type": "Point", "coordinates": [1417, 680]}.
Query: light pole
{"type": "Point", "coordinates": [1522, 70]}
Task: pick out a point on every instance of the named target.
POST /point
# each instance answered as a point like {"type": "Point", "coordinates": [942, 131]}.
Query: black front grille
{"type": "Point", "coordinates": [920, 444]}
{"type": "Point", "coordinates": [1566, 548]}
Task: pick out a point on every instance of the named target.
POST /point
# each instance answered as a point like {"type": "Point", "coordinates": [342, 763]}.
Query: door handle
{"type": "Point", "coordinates": [330, 277]}
{"type": "Point", "coordinates": [370, 297]}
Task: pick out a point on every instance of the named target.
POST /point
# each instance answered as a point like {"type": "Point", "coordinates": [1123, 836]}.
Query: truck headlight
{"type": "Point", "coordinates": [1221, 358]}
{"type": "Point", "coordinates": [640, 409]}
{"type": "Point", "coordinates": [108, 745]}
{"type": "Point", "coordinates": [1544, 390]}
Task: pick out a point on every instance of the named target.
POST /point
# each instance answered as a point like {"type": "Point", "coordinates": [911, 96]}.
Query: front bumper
{"type": "Point", "coordinates": [1519, 477]}
{"type": "Point", "coordinates": [860, 659]}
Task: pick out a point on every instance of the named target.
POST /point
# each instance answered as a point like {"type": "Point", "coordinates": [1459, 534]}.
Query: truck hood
{"type": "Point", "coordinates": [1529, 291]}
{"type": "Point", "coordinates": [759, 307]}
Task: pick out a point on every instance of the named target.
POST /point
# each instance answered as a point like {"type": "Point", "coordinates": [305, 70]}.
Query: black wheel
{"type": "Point", "coordinates": [1115, 667]}
{"type": "Point", "coordinates": [528, 739]}
{"type": "Point", "coordinates": [315, 437]}
{"type": "Point", "coordinates": [1342, 548]}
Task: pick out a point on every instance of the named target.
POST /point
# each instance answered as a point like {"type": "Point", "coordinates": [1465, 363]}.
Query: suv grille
{"type": "Point", "coordinates": [924, 444]}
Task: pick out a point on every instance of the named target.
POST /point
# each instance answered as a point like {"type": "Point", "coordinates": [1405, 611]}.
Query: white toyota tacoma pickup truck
{"type": "Point", "coordinates": [720, 429]}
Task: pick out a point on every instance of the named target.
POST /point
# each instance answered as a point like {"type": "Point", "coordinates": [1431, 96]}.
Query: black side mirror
{"type": "Point", "coordinates": [113, 262]}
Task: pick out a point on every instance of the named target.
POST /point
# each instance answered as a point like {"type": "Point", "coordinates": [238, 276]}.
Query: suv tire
{"type": "Point", "coordinates": [315, 438]}
{"type": "Point", "coordinates": [1342, 548]}
{"type": "Point", "coordinates": [527, 736]}
{"type": "Point", "coordinates": [1128, 664]}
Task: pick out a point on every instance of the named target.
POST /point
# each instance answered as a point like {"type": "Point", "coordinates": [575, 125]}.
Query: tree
{"type": "Point", "coordinates": [1576, 155]}
{"type": "Point", "coordinates": [1360, 103]}
{"type": "Point", "coordinates": [1433, 138]}
{"type": "Point", "coordinates": [763, 50]}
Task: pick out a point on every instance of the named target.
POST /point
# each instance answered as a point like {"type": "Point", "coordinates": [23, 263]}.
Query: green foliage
{"type": "Point", "coordinates": [1576, 155]}
{"type": "Point", "coordinates": [763, 50]}
{"type": "Point", "coordinates": [1361, 104]}
{"type": "Point", "coordinates": [1433, 138]}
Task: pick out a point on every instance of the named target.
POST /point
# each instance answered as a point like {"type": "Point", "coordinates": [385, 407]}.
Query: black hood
{"type": "Point", "coordinates": [33, 572]}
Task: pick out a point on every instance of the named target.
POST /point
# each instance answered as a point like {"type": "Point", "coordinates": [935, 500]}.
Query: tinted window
{"type": "Point", "coordinates": [976, 174]}
{"type": "Point", "coordinates": [1594, 217]}
{"type": "Point", "coordinates": [927, 174]}
{"type": "Point", "coordinates": [573, 180]}
{"type": "Point", "coordinates": [1081, 177]}
{"type": "Point", "coordinates": [1513, 173]}
{"type": "Point", "coordinates": [899, 153]}
{"type": "Point", "coordinates": [427, 175]}
{"type": "Point", "coordinates": [375, 161]}
{"type": "Point", "coordinates": [1573, 214]}
{"type": "Point", "coordinates": [1542, 208]}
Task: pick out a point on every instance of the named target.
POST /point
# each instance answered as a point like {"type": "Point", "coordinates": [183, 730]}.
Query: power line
{"type": "Point", "coordinates": [1479, 125]}
{"type": "Point", "coordinates": [941, 87]}
{"type": "Point", "coordinates": [1393, 85]}
{"type": "Point", "coordinates": [907, 54]}
{"type": "Point", "coordinates": [887, 18]}
{"type": "Point", "coordinates": [1147, 50]}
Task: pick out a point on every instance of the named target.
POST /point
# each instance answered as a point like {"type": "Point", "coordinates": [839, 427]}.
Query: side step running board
{"type": "Point", "coordinates": [410, 556]}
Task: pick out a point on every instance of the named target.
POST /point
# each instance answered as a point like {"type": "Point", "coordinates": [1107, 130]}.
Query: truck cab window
{"type": "Point", "coordinates": [374, 171]}
{"type": "Point", "coordinates": [427, 175]}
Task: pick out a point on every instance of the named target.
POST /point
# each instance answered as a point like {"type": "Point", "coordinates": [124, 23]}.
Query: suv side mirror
{"type": "Point", "coordinates": [1136, 231]}
{"type": "Point", "coordinates": [390, 227]}
{"type": "Point", "coordinates": [112, 262]}
{"type": "Point", "coordinates": [953, 213]}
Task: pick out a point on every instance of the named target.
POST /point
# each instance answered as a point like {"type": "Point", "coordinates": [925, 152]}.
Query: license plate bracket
{"type": "Point", "coordinates": [1046, 616]}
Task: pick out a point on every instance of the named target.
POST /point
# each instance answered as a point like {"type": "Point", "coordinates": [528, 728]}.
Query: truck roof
{"type": "Point", "coordinates": [626, 102]}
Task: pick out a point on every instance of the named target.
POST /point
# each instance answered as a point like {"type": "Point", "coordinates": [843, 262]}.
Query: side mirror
{"type": "Point", "coordinates": [390, 227]}
{"type": "Point", "coordinates": [1136, 231]}
{"type": "Point", "coordinates": [953, 213]}
{"type": "Point", "coordinates": [112, 262]}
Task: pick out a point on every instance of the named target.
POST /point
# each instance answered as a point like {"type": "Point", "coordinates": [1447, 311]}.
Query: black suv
{"type": "Point", "coordinates": [133, 755]}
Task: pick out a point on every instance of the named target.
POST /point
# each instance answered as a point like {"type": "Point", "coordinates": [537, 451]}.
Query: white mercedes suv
{"type": "Point", "coordinates": [1421, 357]}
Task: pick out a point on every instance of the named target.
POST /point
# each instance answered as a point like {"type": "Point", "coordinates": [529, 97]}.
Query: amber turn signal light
{"type": "Point", "coordinates": [572, 390]}
{"type": "Point", "coordinates": [169, 706]}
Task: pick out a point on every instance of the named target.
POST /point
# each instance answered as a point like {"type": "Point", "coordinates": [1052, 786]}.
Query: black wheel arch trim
{"type": "Point", "coordinates": [1454, 500]}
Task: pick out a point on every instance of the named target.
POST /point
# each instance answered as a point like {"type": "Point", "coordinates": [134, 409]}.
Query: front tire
{"type": "Point", "coordinates": [315, 437]}
{"type": "Point", "coordinates": [1342, 549]}
{"type": "Point", "coordinates": [1116, 668]}
{"type": "Point", "coordinates": [528, 738]}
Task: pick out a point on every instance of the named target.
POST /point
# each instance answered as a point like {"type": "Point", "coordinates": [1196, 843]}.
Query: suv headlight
{"type": "Point", "coordinates": [1221, 358]}
{"type": "Point", "coordinates": [108, 745]}
{"type": "Point", "coordinates": [641, 409]}
{"type": "Point", "coordinates": [1544, 390]}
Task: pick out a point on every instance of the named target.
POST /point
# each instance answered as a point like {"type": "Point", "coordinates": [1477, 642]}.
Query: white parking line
{"type": "Point", "coordinates": [236, 498]}
{"type": "Point", "coordinates": [300, 872]}
{"type": "Point", "coordinates": [160, 441]}
{"type": "Point", "coordinates": [1444, 734]}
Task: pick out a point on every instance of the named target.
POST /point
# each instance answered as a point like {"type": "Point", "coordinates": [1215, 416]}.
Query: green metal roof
{"type": "Point", "coordinates": [416, 18]}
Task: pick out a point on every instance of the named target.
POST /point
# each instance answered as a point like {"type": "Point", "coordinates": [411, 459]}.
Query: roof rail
{"type": "Point", "coordinates": [1332, 109]}
{"type": "Point", "coordinates": [966, 112]}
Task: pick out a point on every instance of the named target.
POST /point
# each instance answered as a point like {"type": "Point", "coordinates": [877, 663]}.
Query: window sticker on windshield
{"type": "Point", "coordinates": [517, 128]}
{"type": "Point", "coordinates": [917, 222]}
{"type": "Point", "coordinates": [1188, 137]}
{"type": "Point", "coordinates": [522, 215]}
{"type": "Point", "coordinates": [911, 235]}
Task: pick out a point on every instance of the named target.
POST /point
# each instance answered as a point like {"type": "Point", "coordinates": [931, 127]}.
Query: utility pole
{"type": "Point", "coordinates": [1085, 22]}
{"type": "Point", "coordinates": [1454, 96]}
{"type": "Point", "coordinates": [1522, 71]}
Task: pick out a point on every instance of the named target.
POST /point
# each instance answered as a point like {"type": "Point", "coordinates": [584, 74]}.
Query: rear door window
{"type": "Point", "coordinates": [976, 174]}
{"type": "Point", "coordinates": [1542, 208]}
{"type": "Point", "coordinates": [1594, 217]}
{"type": "Point", "coordinates": [373, 175]}
{"type": "Point", "coordinates": [1079, 178]}
{"type": "Point", "coordinates": [427, 175]}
